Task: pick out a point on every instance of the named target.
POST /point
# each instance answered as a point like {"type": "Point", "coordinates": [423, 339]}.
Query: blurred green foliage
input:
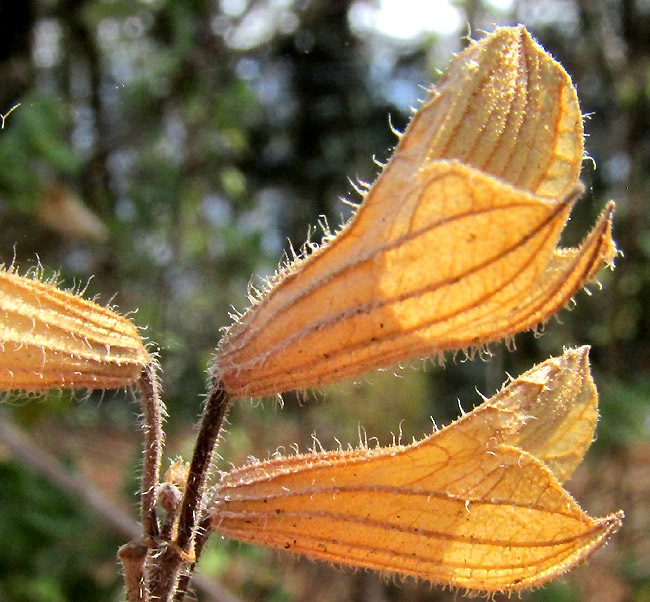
{"type": "Point", "coordinates": [205, 134]}
{"type": "Point", "coordinates": [35, 141]}
{"type": "Point", "coordinates": [56, 550]}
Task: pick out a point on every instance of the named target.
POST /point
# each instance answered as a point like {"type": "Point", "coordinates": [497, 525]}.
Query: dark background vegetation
{"type": "Point", "coordinates": [170, 148]}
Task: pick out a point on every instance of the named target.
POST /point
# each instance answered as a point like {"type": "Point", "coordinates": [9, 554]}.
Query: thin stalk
{"type": "Point", "coordinates": [152, 412]}
{"type": "Point", "coordinates": [132, 556]}
{"type": "Point", "coordinates": [214, 415]}
{"type": "Point", "coordinates": [201, 537]}
{"type": "Point", "coordinates": [174, 558]}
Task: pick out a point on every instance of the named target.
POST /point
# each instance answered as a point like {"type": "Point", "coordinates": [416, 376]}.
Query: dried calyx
{"type": "Point", "coordinates": [454, 246]}
{"type": "Point", "coordinates": [50, 338]}
{"type": "Point", "coordinates": [478, 504]}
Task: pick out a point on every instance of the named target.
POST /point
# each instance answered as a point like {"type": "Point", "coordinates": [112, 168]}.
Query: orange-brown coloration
{"type": "Point", "coordinates": [504, 106]}
{"type": "Point", "coordinates": [455, 245]}
{"type": "Point", "coordinates": [474, 505]}
{"type": "Point", "coordinates": [51, 338]}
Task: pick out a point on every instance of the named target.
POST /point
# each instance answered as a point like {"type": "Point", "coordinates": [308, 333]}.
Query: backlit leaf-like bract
{"type": "Point", "coordinates": [454, 246]}
{"type": "Point", "coordinates": [477, 505]}
{"type": "Point", "coordinates": [50, 338]}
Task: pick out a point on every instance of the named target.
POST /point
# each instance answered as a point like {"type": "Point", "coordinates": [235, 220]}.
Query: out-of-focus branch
{"type": "Point", "coordinates": [23, 448]}
{"type": "Point", "coordinates": [26, 451]}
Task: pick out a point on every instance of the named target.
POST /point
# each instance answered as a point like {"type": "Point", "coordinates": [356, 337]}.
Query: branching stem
{"type": "Point", "coordinates": [177, 556]}
{"type": "Point", "coordinates": [200, 538]}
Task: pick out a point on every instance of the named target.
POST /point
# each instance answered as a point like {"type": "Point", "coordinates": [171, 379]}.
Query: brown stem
{"type": "Point", "coordinates": [176, 557]}
{"type": "Point", "coordinates": [152, 411]}
{"type": "Point", "coordinates": [201, 537]}
{"type": "Point", "coordinates": [214, 414]}
{"type": "Point", "coordinates": [132, 556]}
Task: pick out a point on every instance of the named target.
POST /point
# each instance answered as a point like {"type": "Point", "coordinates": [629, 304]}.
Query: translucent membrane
{"type": "Point", "coordinates": [455, 245]}
{"type": "Point", "coordinates": [477, 505]}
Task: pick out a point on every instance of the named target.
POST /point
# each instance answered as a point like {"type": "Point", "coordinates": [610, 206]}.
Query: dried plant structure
{"type": "Point", "coordinates": [454, 247]}
{"type": "Point", "coordinates": [52, 338]}
{"type": "Point", "coordinates": [477, 505]}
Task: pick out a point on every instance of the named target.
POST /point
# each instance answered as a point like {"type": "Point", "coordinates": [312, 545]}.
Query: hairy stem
{"type": "Point", "coordinates": [214, 415]}
{"type": "Point", "coordinates": [177, 556]}
{"type": "Point", "coordinates": [200, 538]}
{"type": "Point", "coordinates": [132, 556]}
{"type": "Point", "coordinates": [152, 411]}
